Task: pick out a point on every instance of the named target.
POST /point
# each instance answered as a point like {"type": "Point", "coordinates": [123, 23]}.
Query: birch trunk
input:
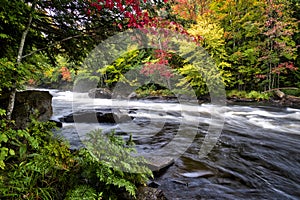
{"type": "Point", "coordinates": [13, 91]}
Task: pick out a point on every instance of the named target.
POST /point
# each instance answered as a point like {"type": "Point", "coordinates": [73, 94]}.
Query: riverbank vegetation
{"type": "Point", "coordinates": [35, 164]}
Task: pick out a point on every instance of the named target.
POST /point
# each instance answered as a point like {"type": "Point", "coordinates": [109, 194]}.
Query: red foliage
{"type": "Point", "coordinates": [131, 10]}
{"type": "Point", "coordinates": [31, 81]}
{"type": "Point", "coordinates": [163, 32]}
{"type": "Point", "coordinates": [282, 67]}
{"type": "Point", "coordinates": [160, 68]}
{"type": "Point", "coordinates": [261, 76]}
{"type": "Point", "coordinates": [66, 74]}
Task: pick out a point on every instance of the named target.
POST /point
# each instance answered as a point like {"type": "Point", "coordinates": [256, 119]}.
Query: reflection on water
{"type": "Point", "coordinates": [256, 157]}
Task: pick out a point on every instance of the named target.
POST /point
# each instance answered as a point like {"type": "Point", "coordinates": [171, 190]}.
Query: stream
{"type": "Point", "coordinates": [257, 155]}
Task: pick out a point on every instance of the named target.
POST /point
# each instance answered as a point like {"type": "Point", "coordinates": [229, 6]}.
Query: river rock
{"type": "Point", "coordinates": [133, 95]}
{"type": "Point", "coordinates": [158, 163]}
{"type": "Point", "coordinates": [148, 193]}
{"type": "Point", "coordinates": [101, 93]}
{"type": "Point", "coordinates": [93, 116]}
{"type": "Point", "coordinates": [88, 117]}
{"type": "Point", "coordinates": [27, 103]}
{"type": "Point", "coordinates": [145, 193]}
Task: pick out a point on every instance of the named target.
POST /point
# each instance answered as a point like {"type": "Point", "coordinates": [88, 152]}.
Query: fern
{"type": "Point", "coordinates": [37, 165]}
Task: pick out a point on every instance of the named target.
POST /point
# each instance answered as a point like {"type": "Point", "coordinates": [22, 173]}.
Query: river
{"type": "Point", "coordinates": [257, 155]}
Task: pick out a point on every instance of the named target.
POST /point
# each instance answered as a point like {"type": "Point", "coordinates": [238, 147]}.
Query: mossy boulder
{"type": "Point", "coordinates": [27, 103]}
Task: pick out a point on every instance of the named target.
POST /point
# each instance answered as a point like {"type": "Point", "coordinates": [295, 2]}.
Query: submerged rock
{"type": "Point", "coordinates": [102, 93]}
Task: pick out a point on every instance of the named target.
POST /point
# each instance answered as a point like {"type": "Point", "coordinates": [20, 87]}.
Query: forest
{"type": "Point", "coordinates": [254, 45]}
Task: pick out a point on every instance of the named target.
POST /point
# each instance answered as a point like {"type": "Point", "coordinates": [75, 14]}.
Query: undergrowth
{"type": "Point", "coordinates": [258, 96]}
{"type": "Point", "coordinates": [37, 165]}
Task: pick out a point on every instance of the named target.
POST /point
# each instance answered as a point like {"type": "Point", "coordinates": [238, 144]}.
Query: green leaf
{"type": "Point", "coordinates": [3, 138]}
{"type": "Point", "coordinates": [4, 36]}
{"type": "Point", "coordinates": [12, 152]}
{"type": "Point", "coordinates": [22, 150]}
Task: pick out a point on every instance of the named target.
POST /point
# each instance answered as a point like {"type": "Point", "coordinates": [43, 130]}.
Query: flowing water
{"type": "Point", "coordinates": [257, 155]}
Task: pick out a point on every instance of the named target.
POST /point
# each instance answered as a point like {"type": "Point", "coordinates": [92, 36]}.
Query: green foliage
{"type": "Point", "coordinates": [85, 192]}
{"type": "Point", "coordinates": [236, 93]}
{"type": "Point", "coordinates": [258, 96]}
{"type": "Point", "coordinates": [292, 92]}
{"type": "Point", "coordinates": [60, 75]}
{"type": "Point", "coordinates": [193, 78]}
{"type": "Point", "coordinates": [12, 74]}
{"type": "Point", "coordinates": [109, 158]}
{"type": "Point", "coordinates": [153, 90]}
{"type": "Point", "coordinates": [258, 38]}
{"type": "Point", "coordinates": [114, 72]}
{"type": "Point", "coordinates": [37, 165]}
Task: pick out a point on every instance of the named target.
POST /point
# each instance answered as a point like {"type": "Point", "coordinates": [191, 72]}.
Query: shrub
{"type": "Point", "coordinates": [258, 96]}
{"type": "Point", "coordinates": [292, 92]}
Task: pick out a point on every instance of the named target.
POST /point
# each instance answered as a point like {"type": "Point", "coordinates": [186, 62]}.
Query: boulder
{"type": "Point", "coordinates": [27, 103]}
{"type": "Point", "coordinates": [101, 93]}
{"type": "Point", "coordinates": [92, 116]}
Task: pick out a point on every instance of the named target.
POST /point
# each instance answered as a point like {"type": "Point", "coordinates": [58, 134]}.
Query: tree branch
{"type": "Point", "coordinates": [53, 44]}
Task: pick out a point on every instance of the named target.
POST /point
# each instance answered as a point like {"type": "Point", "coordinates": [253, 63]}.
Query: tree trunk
{"type": "Point", "coordinates": [13, 91]}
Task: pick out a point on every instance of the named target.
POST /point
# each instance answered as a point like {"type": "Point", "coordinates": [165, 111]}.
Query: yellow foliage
{"type": "Point", "coordinates": [209, 34]}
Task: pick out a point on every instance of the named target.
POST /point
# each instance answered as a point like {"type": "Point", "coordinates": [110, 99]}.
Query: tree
{"type": "Point", "coordinates": [18, 62]}
{"type": "Point", "coordinates": [279, 48]}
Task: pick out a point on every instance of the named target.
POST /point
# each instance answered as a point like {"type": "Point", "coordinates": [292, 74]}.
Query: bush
{"type": "Point", "coordinates": [292, 92]}
{"type": "Point", "coordinates": [236, 93]}
{"type": "Point", "coordinates": [258, 96]}
{"type": "Point", "coordinates": [153, 90]}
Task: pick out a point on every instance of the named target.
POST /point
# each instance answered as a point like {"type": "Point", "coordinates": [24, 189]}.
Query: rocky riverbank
{"type": "Point", "coordinates": [278, 98]}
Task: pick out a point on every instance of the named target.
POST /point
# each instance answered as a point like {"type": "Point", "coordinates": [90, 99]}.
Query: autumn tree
{"type": "Point", "coordinates": [278, 51]}
{"type": "Point", "coordinates": [190, 9]}
{"type": "Point", "coordinates": [210, 36]}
